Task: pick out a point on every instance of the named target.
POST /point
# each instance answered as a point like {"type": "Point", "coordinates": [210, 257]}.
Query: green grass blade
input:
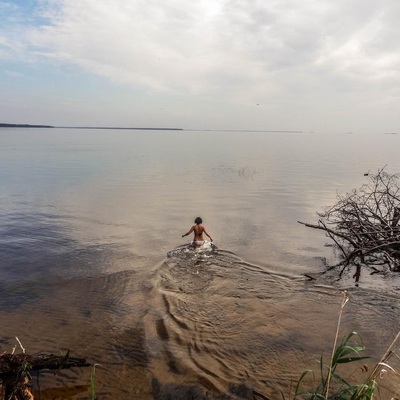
{"type": "Point", "coordinates": [303, 375]}
{"type": "Point", "coordinates": [92, 373]}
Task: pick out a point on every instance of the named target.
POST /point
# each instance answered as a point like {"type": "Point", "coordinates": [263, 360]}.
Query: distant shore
{"type": "Point", "coordinates": [2, 125]}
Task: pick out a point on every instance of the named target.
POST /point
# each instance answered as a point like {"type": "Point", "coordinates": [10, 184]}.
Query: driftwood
{"type": "Point", "coordinates": [14, 371]}
{"type": "Point", "coordinates": [364, 224]}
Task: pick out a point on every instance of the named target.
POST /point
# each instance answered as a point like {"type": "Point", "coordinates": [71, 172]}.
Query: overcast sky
{"type": "Point", "coordinates": [309, 65]}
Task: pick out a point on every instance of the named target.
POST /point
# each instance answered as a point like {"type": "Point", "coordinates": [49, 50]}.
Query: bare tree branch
{"type": "Point", "coordinates": [364, 224]}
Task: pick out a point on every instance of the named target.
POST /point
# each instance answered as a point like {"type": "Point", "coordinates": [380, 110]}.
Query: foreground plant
{"type": "Point", "coordinates": [92, 373]}
{"type": "Point", "coordinates": [331, 384]}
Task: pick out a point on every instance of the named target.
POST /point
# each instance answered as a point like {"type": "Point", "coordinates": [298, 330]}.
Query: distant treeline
{"type": "Point", "coordinates": [24, 126]}
{"type": "Point", "coordinates": [3, 125]}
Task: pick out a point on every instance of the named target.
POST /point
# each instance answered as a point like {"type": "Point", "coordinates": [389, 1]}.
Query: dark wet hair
{"type": "Point", "coordinates": [198, 221]}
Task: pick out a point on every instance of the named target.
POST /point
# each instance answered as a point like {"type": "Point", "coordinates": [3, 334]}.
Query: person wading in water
{"type": "Point", "coordinates": [198, 230]}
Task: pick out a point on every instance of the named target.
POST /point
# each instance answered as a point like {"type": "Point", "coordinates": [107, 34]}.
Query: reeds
{"type": "Point", "coordinates": [331, 384]}
{"type": "Point", "coordinates": [92, 373]}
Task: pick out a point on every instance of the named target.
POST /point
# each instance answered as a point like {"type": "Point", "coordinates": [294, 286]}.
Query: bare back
{"type": "Point", "coordinates": [198, 232]}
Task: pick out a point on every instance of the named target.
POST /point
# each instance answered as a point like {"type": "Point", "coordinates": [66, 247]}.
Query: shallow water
{"type": "Point", "coordinates": [90, 236]}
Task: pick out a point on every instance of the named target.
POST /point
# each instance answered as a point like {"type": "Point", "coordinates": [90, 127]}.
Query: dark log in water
{"type": "Point", "coordinates": [14, 371]}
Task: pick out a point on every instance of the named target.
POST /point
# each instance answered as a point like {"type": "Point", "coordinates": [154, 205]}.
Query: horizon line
{"type": "Point", "coordinates": [8, 125]}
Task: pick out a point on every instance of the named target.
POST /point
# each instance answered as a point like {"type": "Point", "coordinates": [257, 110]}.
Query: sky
{"type": "Point", "coordinates": [310, 65]}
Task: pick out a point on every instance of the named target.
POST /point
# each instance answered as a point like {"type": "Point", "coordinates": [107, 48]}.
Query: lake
{"type": "Point", "coordinates": [90, 257]}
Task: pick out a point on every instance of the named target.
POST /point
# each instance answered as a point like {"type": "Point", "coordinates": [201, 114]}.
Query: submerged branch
{"type": "Point", "coordinates": [14, 371]}
{"type": "Point", "coordinates": [11, 363]}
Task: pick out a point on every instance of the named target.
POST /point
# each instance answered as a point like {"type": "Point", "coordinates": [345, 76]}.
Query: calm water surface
{"type": "Point", "coordinates": [90, 257]}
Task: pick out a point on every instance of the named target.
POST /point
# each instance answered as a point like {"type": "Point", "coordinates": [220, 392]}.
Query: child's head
{"type": "Point", "coordinates": [198, 221]}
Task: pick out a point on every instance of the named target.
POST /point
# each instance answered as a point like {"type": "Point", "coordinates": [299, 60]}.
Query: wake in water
{"type": "Point", "coordinates": [187, 251]}
{"type": "Point", "coordinates": [222, 328]}
{"type": "Point", "coordinates": [216, 325]}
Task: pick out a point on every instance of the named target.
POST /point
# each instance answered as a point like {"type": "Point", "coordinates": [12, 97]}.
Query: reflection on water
{"type": "Point", "coordinates": [87, 218]}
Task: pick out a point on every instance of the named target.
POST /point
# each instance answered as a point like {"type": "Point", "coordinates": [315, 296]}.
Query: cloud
{"type": "Point", "coordinates": [176, 47]}
{"type": "Point", "coordinates": [369, 52]}
{"type": "Point", "coordinates": [209, 47]}
{"type": "Point", "coordinates": [283, 53]}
